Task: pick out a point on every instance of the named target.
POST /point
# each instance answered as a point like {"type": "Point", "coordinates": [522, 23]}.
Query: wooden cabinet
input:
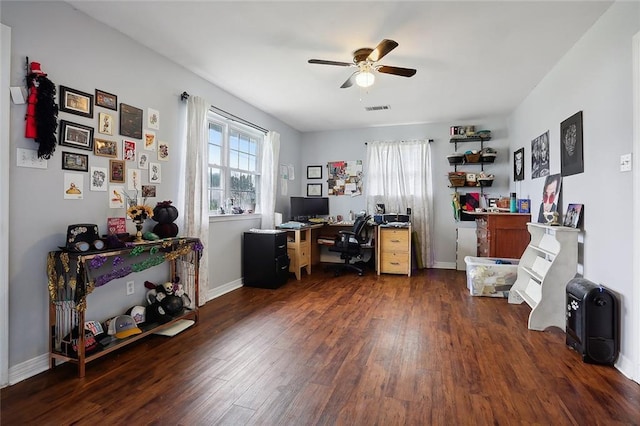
{"type": "Point", "coordinates": [299, 250]}
{"type": "Point", "coordinates": [72, 276]}
{"type": "Point", "coordinates": [502, 234]}
{"type": "Point", "coordinates": [394, 250]}
{"type": "Point", "coordinates": [549, 262]}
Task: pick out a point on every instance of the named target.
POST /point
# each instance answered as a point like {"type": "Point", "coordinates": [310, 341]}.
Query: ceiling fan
{"type": "Point", "coordinates": [365, 60]}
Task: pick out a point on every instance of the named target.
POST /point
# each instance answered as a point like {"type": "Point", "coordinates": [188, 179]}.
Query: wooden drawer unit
{"type": "Point", "coordinates": [299, 255]}
{"type": "Point", "coordinates": [299, 251]}
{"type": "Point", "coordinates": [394, 250]}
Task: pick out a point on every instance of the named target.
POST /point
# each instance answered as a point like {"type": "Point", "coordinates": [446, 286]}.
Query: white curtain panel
{"type": "Point", "coordinates": [196, 199]}
{"type": "Point", "coordinates": [399, 175]}
{"type": "Point", "coordinates": [269, 179]}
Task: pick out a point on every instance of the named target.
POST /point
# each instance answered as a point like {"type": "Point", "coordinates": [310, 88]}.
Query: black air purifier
{"type": "Point", "coordinates": [592, 321]}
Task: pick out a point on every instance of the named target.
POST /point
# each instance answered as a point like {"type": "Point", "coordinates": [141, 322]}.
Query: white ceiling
{"type": "Point", "coordinates": [474, 59]}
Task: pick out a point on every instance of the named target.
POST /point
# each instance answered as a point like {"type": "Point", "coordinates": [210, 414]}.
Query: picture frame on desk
{"type": "Point", "coordinates": [314, 172]}
{"type": "Point", "coordinates": [314, 190]}
{"type": "Point", "coordinates": [573, 216]}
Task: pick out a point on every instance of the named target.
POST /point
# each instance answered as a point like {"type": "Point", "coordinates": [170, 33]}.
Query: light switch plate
{"type": "Point", "coordinates": [29, 158]}
{"type": "Point", "coordinates": [625, 163]}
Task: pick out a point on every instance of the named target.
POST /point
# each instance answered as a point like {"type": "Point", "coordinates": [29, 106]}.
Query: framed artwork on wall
{"type": "Point", "coordinates": [130, 121]}
{"type": "Point", "coordinates": [106, 100]}
{"type": "Point", "coordinates": [314, 172]}
{"type": "Point", "coordinates": [571, 158]}
{"type": "Point", "coordinates": [75, 161]}
{"type": "Point", "coordinates": [105, 148]}
{"type": "Point", "coordinates": [76, 102]}
{"type": "Point", "coordinates": [540, 156]}
{"type": "Point", "coordinates": [518, 165]}
{"type": "Point", "coordinates": [105, 123]}
{"type": "Point", "coordinates": [116, 171]}
{"type": "Point", "coordinates": [76, 135]}
{"type": "Point", "coordinates": [314, 190]}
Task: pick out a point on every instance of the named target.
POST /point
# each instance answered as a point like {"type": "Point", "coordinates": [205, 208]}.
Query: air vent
{"type": "Point", "coordinates": [377, 108]}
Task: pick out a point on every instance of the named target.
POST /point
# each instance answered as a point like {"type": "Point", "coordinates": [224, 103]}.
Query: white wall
{"type": "Point", "coordinates": [80, 53]}
{"type": "Point", "coordinates": [321, 147]}
{"type": "Point", "coordinates": [594, 77]}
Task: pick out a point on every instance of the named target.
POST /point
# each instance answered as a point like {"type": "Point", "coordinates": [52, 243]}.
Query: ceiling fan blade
{"type": "Point", "coordinates": [323, 62]}
{"type": "Point", "coordinates": [384, 47]}
{"type": "Point", "coordinates": [349, 81]}
{"type": "Point", "coordinates": [404, 72]}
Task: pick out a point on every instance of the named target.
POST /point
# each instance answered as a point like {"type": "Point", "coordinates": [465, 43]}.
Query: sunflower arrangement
{"type": "Point", "coordinates": [140, 212]}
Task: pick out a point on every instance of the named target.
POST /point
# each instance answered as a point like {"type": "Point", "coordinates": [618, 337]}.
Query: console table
{"type": "Point", "coordinates": [72, 276]}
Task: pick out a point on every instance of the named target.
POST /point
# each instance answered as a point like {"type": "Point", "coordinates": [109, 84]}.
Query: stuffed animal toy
{"type": "Point", "coordinates": [171, 296]}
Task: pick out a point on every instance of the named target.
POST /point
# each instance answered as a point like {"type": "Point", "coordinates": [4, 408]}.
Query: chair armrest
{"type": "Point", "coordinates": [350, 233]}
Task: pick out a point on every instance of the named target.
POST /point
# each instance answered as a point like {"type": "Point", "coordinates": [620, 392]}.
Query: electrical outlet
{"type": "Point", "coordinates": [130, 288]}
{"type": "Point", "coordinates": [625, 163]}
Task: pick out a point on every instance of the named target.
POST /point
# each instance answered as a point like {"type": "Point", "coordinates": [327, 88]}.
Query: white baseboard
{"type": "Point", "coordinates": [626, 367]}
{"type": "Point", "coordinates": [37, 365]}
{"type": "Point", "coordinates": [212, 293]}
{"type": "Point", "coordinates": [29, 368]}
{"type": "Point", "coordinates": [444, 265]}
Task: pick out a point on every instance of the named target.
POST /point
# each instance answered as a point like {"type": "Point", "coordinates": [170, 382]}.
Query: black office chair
{"type": "Point", "coordinates": [349, 245]}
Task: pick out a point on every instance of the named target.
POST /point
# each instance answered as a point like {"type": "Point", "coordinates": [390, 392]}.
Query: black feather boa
{"type": "Point", "coordinates": [46, 118]}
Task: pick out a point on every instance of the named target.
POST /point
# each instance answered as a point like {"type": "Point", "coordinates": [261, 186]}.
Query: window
{"type": "Point", "coordinates": [234, 167]}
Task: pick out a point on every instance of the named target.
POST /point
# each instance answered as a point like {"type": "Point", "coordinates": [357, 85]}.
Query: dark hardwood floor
{"type": "Point", "coordinates": [388, 350]}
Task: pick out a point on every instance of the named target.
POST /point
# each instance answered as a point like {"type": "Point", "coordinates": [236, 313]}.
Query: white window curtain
{"type": "Point", "coordinates": [399, 175]}
{"type": "Point", "coordinates": [269, 179]}
{"type": "Point", "coordinates": [196, 205]}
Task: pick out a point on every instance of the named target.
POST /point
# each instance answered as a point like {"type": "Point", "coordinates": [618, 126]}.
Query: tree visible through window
{"type": "Point", "coordinates": [234, 176]}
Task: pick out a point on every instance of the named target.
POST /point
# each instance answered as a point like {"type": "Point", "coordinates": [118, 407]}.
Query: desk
{"type": "Point", "coordinates": [303, 247]}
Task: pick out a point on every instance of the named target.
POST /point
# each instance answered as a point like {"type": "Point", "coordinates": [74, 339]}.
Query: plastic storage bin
{"type": "Point", "coordinates": [491, 276]}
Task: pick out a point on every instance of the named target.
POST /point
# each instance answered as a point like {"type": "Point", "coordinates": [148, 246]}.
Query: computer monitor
{"type": "Point", "coordinates": [303, 208]}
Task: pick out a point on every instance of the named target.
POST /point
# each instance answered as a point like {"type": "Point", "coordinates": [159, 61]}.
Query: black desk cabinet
{"type": "Point", "coordinates": [265, 262]}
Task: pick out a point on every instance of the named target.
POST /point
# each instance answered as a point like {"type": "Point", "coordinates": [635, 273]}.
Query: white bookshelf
{"type": "Point", "coordinates": [548, 263]}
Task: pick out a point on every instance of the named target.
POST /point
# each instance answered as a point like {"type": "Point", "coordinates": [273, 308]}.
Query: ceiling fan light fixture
{"type": "Point", "coordinates": [365, 78]}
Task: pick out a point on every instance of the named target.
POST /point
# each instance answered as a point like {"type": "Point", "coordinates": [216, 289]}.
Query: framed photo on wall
{"type": "Point", "coordinates": [105, 123]}
{"type": "Point", "coordinates": [106, 100]}
{"type": "Point", "coordinates": [105, 148]}
{"type": "Point", "coordinates": [314, 190]}
{"type": "Point", "coordinates": [116, 171]}
{"type": "Point", "coordinates": [518, 165]}
{"type": "Point", "coordinates": [314, 172]}
{"type": "Point", "coordinates": [76, 135]}
{"type": "Point", "coordinates": [540, 156]}
{"type": "Point", "coordinates": [571, 158]}
{"type": "Point", "coordinates": [130, 121]}
{"type": "Point", "coordinates": [75, 161]}
{"type": "Point", "coordinates": [76, 102]}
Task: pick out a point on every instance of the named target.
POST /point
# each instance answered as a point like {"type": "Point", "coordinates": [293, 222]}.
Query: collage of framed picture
{"type": "Point", "coordinates": [95, 125]}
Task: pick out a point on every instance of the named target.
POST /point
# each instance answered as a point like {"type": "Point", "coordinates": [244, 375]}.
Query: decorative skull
{"type": "Point", "coordinates": [168, 288]}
